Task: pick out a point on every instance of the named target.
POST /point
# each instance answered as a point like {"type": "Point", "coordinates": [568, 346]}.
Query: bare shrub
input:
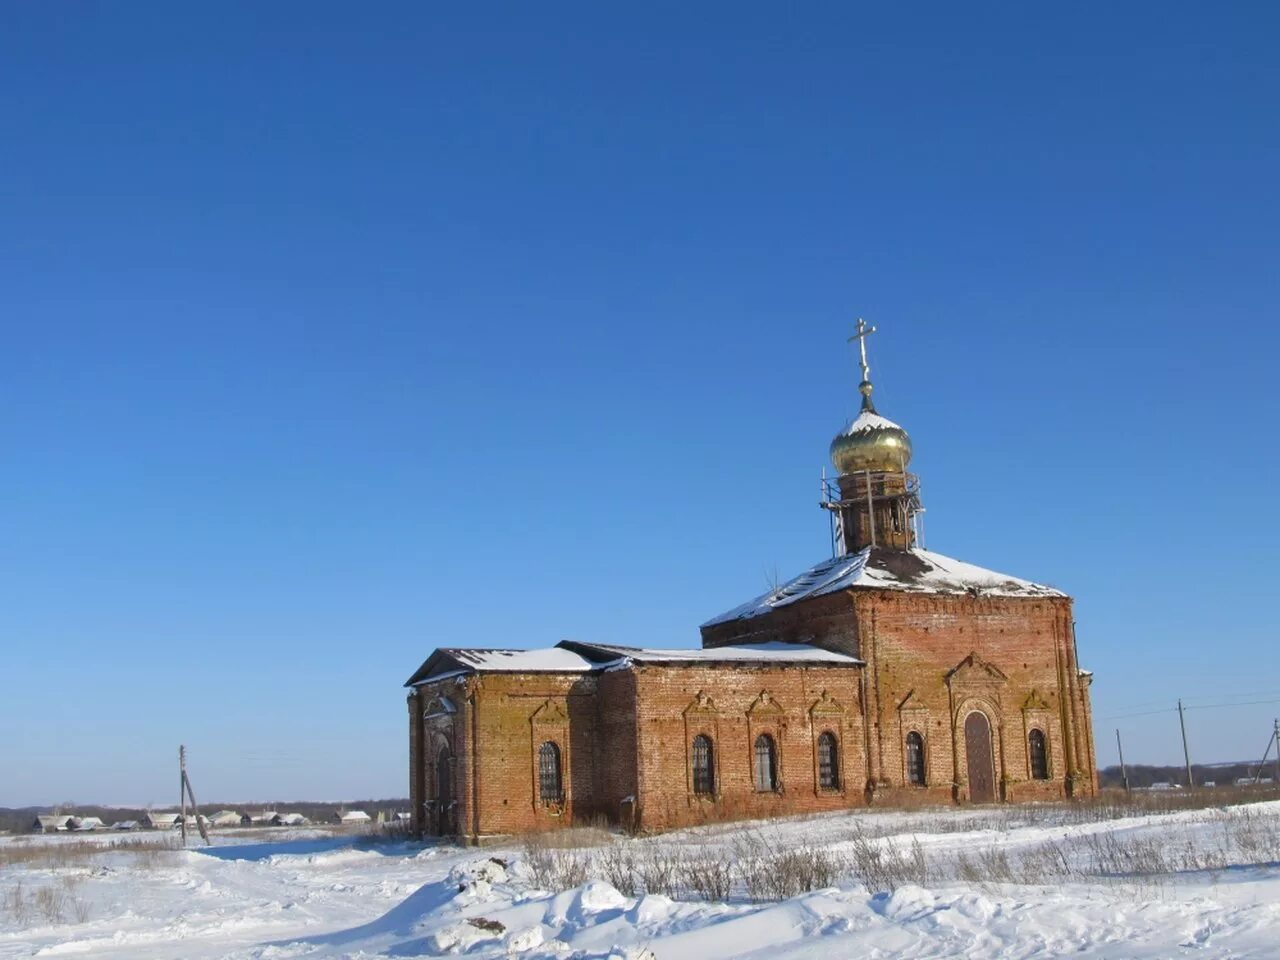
{"type": "Point", "coordinates": [554, 868]}
{"type": "Point", "coordinates": [886, 867]}
{"type": "Point", "coordinates": [80, 910]}
{"type": "Point", "coordinates": [61, 853]}
{"type": "Point", "coordinates": [1043, 864]}
{"type": "Point", "coordinates": [707, 875]}
{"type": "Point", "coordinates": [771, 872]}
{"type": "Point", "coordinates": [658, 868]}
{"type": "Point", "coordinates": [50, 903]}
{"type": "Point", "coordinates": [1255, 835]}
{"type": "Point", "coordinates": [569, 869]}
{"type": "Point", "coordinates": [618, 865]}
{"type": "Point", "coordinates": [15, 904]}
{"type": "Point", "coordinates": [1126, 856]}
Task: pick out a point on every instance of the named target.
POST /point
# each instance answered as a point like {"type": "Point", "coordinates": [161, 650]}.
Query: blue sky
{"type": "Point", "coordinates": [334, 334]}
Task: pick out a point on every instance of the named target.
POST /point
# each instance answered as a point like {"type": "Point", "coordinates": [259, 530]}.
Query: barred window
{"type": "Point", "coordinates": [550, 784]}
{"type": "Point", "coordinates": [828, 762]}
{"type": "Point", "coordinates": [915, 759]}
{"type": "Point", "coordinates": [1039, 756]}
{"type": "Point", "coordinates": [766, 764]}
{"type": "Point", "coordinates": [704, 773]}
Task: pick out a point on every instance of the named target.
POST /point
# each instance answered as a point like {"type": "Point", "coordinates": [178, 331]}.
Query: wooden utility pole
{"type": "Point", "coordinates": [182, 791]}
{"type": "Point", "coordinates": [1186, 755]}
{"type": "Point", "coordinates": [1275, 732]}
{"type": "Point", "coordinates": [1124, 774]}
{"type": "Point", "coordinates": [1257, 773]}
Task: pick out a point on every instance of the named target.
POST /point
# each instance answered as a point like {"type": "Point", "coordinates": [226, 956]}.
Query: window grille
{"type": "Point", "coordinates": [915, 759]}
{"type": "Point", "coordinates": [704, 774]}
{"type": "Point", "coordinates": [766, 764]}
{"type": "Point", "coordinates": [828, 762]}
{"type": "Point", "coordinates": [550, 783]}
{"type": "Point", "coordinates": [1039, 756]}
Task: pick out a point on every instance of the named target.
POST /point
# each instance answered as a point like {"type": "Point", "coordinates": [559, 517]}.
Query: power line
{"type": "Point", "coordinates": [1145, 713]}
{"type": "Point", "coordinates": [1203, 706]}
{"type": "Point", "coordinates": [1215, 706]}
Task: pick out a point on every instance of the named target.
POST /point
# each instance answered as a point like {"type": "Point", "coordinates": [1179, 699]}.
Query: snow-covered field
{"type": "Point", "coordinates": [1003, 882]}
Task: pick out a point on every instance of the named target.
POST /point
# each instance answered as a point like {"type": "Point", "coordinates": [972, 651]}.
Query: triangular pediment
{"type": "Point", "coordinates": [826, 706]}
{"type": "Point", "coordinates": [765, 706]}
{"type": "Point", "coordinates": [973, 669]}
{"type": "Point", "coordinates": [911, 702]}
{"type": "Point", "coordinates": [1035, 702]}
{"type": "Point", "coordinates": [550, 712]}
{"type": "Point", "coordinates": [702, 704]}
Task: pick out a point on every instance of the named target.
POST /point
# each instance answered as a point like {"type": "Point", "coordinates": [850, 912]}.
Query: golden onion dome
{"type": "Point", "coordinates": [871, 442]}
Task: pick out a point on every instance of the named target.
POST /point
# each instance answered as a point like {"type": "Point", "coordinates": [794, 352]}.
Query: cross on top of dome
{"type": "Point", "coordinates": [870, 442]}
{"type": "Point", "coordinates": [862, 331]}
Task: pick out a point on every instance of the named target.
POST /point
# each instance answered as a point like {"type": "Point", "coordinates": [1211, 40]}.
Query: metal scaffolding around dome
{"type": "Point", "coordinates": [873, 501]}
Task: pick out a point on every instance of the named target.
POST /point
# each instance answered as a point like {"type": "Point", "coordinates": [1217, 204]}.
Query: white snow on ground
{"type": "Point", "coordinates": [1002, 882]}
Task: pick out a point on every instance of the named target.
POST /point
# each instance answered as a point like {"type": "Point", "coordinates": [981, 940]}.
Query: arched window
{"type": "Point", "coordinates": [915, 759]}
{"type": "Point", "coordinates": [1039, 756]}
{"type": "Point", "coordinates": [550, 783]}
{"type": "Point", "coordinates": [704, 771]}
{"type": "Point", "coordinates": [766, 764]}
{"type": "Point", "coordinates": [828, 762]}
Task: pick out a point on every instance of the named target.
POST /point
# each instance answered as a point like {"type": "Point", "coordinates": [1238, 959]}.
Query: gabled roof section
{"type": "Point", "coordinates": [455, 661]}
{"type": "Point", "coordinates": [607, 654]}
{"type": "Point", "coordinates": [880, 568]}
{"type": "Point", "coordinates": [574, 656]}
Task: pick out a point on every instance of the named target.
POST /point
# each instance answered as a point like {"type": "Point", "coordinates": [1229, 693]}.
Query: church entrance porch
{"type": "Point", "coordinates": [981, 758]}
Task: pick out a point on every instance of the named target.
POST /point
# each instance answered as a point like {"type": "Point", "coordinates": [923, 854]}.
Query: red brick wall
{"type": "Point", "coordinates": [670, 715]}
{"type": "Point", "coordinates": [912, 641]}
{"type": "Point", "coordinates": [930, 660]}
{"type": "Point", "coordinates": [511, 715]}
{"type": "Point", "coordinates": [615, 743]}
{"type": "Point", "coordinates": [828, 621]}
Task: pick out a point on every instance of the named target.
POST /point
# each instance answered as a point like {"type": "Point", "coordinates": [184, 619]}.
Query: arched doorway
{"type": "Point", "coordinates": [444, 793]}
{"type": "Point", "coordinates": [982, 761]}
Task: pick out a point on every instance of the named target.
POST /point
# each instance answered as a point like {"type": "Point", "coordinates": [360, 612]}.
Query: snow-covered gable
{"type": "Point", "coordinates": [915, 571]}
{"type": "Point", "coordinates": [454, 661]}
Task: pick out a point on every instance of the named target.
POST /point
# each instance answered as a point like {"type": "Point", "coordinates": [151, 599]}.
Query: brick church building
{"type": "Point", "coordinates": [884, 673]}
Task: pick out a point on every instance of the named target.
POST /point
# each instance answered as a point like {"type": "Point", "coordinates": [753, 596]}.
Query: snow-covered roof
{"type": "Point", "coordinates": [546, 660]}
{"type": "Point", "coordinates": [453, 661]}
{"type": "Point", "coordinates": [573, 656]}
{"type": "Point", "coordinates": [606, 654]}
{"type": "Point", "coordinates": [354, 816]}
{"type": "Point", "coordinates": [879, 568]}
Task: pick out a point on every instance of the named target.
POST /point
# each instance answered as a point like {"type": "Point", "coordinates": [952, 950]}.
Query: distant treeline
{"type": "Point", "coordinates": [20, 819]}
{"type": "Point", "coordinates": [1143, 775]}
